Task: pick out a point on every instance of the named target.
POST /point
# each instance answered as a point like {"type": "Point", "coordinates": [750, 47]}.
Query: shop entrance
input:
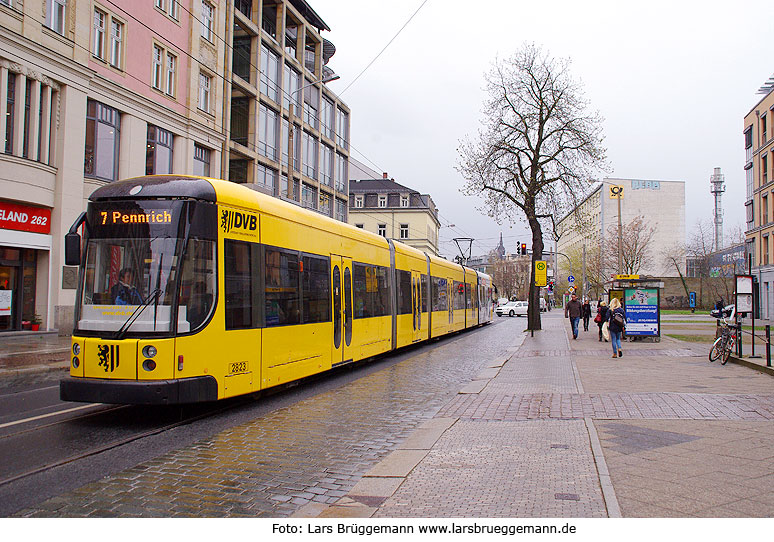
{"type": "Point", "coordinates": [17, 287]}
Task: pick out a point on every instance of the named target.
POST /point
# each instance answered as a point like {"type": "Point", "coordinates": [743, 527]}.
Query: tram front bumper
{"type": "Point", "coordinates": [155, 392]}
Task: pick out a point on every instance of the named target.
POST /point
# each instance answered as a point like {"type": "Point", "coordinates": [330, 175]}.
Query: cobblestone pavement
{"type": "Point", "coordinates": [314, 451]}
{"type": "Point", "coordinates": [562, 429]}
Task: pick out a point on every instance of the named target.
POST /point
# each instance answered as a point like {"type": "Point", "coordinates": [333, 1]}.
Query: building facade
{"type": "Point", "coordinates": [660, 203]}
{"type": "Point", "coordinates": [392, 210]}
{"type": "Point", "coordinates": [759, 170]}
{"type": "Point", "coordinates": [92, 92]}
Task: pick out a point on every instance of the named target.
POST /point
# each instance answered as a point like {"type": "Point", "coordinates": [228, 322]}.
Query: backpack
{"type": "Point", "coordinates": [618, 319]}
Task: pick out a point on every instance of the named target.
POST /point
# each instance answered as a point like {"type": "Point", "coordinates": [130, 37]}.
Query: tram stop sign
{"type": "Point", "coordinates": [541, 273]}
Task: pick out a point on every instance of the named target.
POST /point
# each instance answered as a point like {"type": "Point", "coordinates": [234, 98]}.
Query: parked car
{"type": "Point", "coordinates": [521, 308]}
{"type": "Point", "coordinates": [502, 301]}
{"type": "Point", "coordinates": [508, 309]}
{"type": "Point", "coordinates": [543, 305]}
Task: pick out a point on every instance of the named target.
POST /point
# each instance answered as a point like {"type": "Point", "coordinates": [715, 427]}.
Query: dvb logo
{"type": "Point", "coordinates": [232, 220]}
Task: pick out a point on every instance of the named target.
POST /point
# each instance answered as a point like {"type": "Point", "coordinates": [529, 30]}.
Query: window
{"type": "Point", "coordinates": [205, 84]}
{"type": "Point", "coordinates": [269, 20]}
{"type": "Point", "coordinates": [382, 201]}
{"type": "Point", "coordinates": [341, 210]}
{"type": "Point", "coordinates": [292, 85]}
{"type": "Point", "coordinates": [328, 118]}
{"type": "Point", "coordinates": [158, 154]}
{"type": "Point", "coordinates": [208, 18]}
{"type": "Point", "coordinates": [240, 120]}
{"type": "Point", "coordinates": [171, 74]}
{"type": "Point", "coordinates": [201, 165]}
{"type": "Point", "coordinates": [310, 156]}
{"type": "Point", "coordinates": [270, 66]}
{"type": "Point", "coordinates": [173, 8]}
{"type": "Point", "coordinates": [359, 226]}
{"type": "Point", "coordinates": [403, 280]}
{"type": "Point", "coordinates": [316, 289]}
{"type": "Point", "coordinates": [267, 132]}
{"type": "Point", "coordinates": [99, 34]}
{"type": "Point", "coordinates": [438, 294]}
{"type": "Point", "coordinates": [102, 137]}
{"type": "Point", "coordinates": [309, 197]}
{"type": "Point", "coordinates": [237, 170]}
{"type": "Point", "coordinates": [358, 202]}
{"type": "Point", "coordinates": [404, 200]}
{"type": "Point", "coordinates": [282, 291]}
{"type": "Point", "coordinates": [241, 284]}
{"type": "Point", "coordinates": [764, 170]}
{"type": "Point", "coordinates": [382, 230]}
{"type": "Point", "coordinates": [764, 211]}
{"type": "Point", "coordinates": [748, 138]}
{"type": "Point", "coordinates": [311, 104]}
{"type": "Point", "coordinates": [341, 173]}
{"type": "Point", "coordinates": [765, 249]}
{"type": "Point", "coordinates": [55, 15]}
{"type": "Point", "coordinates": [342, 128]}
{"type": "Point", "coordinates": [764, 137]}
{"type": "Point", "coordinates": [164, 65]}
{"type": "Point", "coordinates": [293, 195]}
{"type": "Point", "coordinates": [296, 145]}
{"type": "Point", "coordinates": [291, 38]}
{"type": "Point", "coordinates": [116, 37]}
{"type": "Point", "coordinates": [326, 165]}
{"type": "Point", "coordinates": [10, 114]}
{"type": "Point", "coordinates": [325, 204]}
{"type": "Point", "coordinates": [267, 177]}
{"type": "Point", "coordinates": [404, 231]}
{"type": "Point", "coordinates": [371, 290]}
{"type": "Point", "coordinates": [242, 51]}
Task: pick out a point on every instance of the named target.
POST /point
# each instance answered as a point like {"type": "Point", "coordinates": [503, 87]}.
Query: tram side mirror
{"type": "Point", "coordinates": [72, 249]}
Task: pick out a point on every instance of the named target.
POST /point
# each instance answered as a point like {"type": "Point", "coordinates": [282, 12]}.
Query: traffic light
{"type": "Point", "coordinates": [524, 249]}
{"type": "Point", "coordinates": [518, 247]}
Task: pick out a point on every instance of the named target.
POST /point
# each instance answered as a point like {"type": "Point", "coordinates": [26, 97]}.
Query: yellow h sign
{"type": "Point", "coordinates": [541, 273]}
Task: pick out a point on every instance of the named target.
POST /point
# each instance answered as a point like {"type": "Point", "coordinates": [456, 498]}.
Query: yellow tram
{"type": "Point", "coordinates": [195, 289]}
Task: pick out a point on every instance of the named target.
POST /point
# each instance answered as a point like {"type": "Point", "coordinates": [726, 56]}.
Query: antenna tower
{"type": "Point", "coordinates": [717, 181]}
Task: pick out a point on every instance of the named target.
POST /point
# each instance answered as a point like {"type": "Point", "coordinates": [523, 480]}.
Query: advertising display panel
{"type": "Point", "coordinates": [642, 316]}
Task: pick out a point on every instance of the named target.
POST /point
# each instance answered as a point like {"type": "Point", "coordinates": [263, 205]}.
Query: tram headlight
{"type": "Point", "coordinates": [76, 349]}
{"type": "Point", "coordinates": [76, 362]}
{"type": "Point", "coordinates": [149, 365]}
{"type": "Point", "coordinates": [149, 351]}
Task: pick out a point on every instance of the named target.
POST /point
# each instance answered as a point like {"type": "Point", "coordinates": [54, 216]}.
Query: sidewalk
{"type": "Point", "coordinates": [29, 352]}
{"type": "Point", "coordinates": [557, 428]}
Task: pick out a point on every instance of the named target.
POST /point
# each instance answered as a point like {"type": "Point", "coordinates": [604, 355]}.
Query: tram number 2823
{"type": "Point", "coordinates": [237, 368]}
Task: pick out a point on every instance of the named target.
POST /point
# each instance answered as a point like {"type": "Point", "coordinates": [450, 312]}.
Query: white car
{"type": "Point", "coordinates": [512, 308]}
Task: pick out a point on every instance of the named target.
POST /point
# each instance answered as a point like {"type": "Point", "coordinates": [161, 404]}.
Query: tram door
{"type": "Point", "coordinates": [341, 282]}
{"type": "Point", "coordinates": [416, 304]}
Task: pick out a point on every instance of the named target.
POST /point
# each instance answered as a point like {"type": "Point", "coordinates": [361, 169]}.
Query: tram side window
{"type": "Point", "coordinates": [404, 292]}
{"type": "Point", "coordinates": [424, 291]}
{"type": "Point", "coordinates": [282, 292]}
{"type": "Point", "coordinates": [439, 294]}
{"type": "Point", "coordinates": [316, 288]}
{"type": "Point", "coordinates": [372, 291]}
{"type": "Point", "coordinates": [240, 260]}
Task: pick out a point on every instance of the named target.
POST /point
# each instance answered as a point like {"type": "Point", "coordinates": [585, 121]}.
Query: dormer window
{"type": "Point", "coordinates": [358, 202]}
{"type": "Point", "coordinates": [382, 201]}
{"type": "Point", "coordinates": [404, 200]}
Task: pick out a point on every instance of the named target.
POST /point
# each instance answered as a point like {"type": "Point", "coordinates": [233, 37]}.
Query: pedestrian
{"type": "Point", "coordinates": [586, 314]}
{"type": "Point", "coordinates": [616, 324]}
{"type": "Point", "coordinates": [601, 317]}
{"type": "Point", "coordinates": [573, 311]}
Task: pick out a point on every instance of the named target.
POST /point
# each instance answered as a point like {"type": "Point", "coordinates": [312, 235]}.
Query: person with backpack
{"type": "Point", "coordinates": [616, 324]}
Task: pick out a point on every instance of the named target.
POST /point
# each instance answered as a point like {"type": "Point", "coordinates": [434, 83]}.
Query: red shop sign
{"type": "Point", "coordinates": [24, 218]}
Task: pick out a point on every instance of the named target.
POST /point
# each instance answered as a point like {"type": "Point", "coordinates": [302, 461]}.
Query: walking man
{"type": "Point", "coordinates": [573, 310]}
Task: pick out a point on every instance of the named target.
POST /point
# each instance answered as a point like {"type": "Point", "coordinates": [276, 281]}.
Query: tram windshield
{"type": "Point", "coordinates": [142, 275]}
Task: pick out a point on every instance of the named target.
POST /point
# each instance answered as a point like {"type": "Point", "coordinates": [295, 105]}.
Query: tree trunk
{"type": "Point", "coordinates": [533, 311]}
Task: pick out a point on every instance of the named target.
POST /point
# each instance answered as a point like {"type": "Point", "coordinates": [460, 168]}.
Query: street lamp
{"type": "Point", "coordinates": [291, 106]}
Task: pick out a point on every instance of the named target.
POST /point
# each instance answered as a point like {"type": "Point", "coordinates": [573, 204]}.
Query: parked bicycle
{"type": "Point", "coordinates": [725, 344]}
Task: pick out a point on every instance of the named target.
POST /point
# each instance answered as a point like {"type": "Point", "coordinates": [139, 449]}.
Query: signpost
{"type": "Point", "coordinates": [692, 300]}
{"type": "Point", "coordinates": [541, 273]}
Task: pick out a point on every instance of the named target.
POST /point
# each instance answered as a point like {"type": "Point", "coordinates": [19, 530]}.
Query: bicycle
{"type": "Point", "coordinates": [726, 343]}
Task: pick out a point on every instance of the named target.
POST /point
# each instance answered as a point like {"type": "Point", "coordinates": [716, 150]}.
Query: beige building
{"type": "Point", "coordinates": [661, 203]}
{"type": "Point", "coordinates": [759, 176]}
{"type": "Point", "coordinates": [389, 209]}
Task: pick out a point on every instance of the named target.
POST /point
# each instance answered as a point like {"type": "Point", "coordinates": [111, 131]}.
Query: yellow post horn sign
{"type": "Point", "coordinates": [541, 273]}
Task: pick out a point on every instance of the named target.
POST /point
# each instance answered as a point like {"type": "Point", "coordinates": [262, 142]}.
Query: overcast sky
{"type": "Point", "coordinates": [673, 81]}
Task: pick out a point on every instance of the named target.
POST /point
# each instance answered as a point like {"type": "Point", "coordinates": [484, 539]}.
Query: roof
{"type": "Point", "coordinates": [308, 13]}
{"type": "Point", "coordinates": [378, 185]}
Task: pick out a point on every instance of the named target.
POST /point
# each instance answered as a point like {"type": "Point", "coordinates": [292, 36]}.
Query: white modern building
{"type": "Point", "coordinates": [660, 203]}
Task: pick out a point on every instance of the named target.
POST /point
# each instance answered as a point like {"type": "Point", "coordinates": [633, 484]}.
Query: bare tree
{"type": "Point", "coordinates": [537, 149]}
{"type": "Point", "coordinates": [636, 241]}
